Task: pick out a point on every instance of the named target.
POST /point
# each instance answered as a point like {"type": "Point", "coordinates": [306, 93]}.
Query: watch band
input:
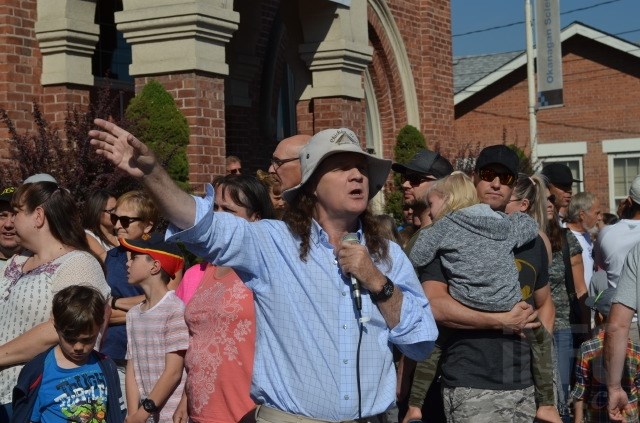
{"type": "Point", "coordinates": [113, 302]}
{"type": "Point", "coordinates": [385, 293]}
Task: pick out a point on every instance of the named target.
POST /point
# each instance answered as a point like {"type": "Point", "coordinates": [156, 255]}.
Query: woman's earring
{"type": "Point", "coordinates": [145, 236]}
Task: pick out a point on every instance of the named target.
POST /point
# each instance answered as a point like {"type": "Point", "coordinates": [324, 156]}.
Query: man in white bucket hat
{"type": "Point", "coordinates": [320, 354]}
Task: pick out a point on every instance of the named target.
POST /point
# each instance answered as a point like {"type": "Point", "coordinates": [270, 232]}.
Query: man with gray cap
{"type": "Point", "coordinates": [418, 175]}
{"type": "Point", "coordinates": [320, 354]}
{"type": "Point", "coordinates": [8, 238]}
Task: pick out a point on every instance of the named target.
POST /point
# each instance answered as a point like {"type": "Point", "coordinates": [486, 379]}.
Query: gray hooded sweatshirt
{"type": "Point", "coordinates": [475, 246]}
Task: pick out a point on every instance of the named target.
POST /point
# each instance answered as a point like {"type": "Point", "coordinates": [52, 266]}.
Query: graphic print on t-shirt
{"type": "Point", "coordinates": [74, 395]}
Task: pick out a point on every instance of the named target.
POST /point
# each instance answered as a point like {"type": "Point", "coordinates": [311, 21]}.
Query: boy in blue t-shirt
{"type": "Point", "coordinates": [71, 381]}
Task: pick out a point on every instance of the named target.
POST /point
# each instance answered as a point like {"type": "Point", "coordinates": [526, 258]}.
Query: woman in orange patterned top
{"type": "Point", "coordinates": [220, 316]}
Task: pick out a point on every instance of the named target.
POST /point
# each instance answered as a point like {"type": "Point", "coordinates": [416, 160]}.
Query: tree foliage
{"type": "Point", "coordinates": [408, 141]}
{"type": "Point", "coordinates": [71, 160]}
{"type": "Point", "coordinates": [155, 119]}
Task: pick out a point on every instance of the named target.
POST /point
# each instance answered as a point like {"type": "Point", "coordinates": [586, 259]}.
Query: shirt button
{"type": "Point", "coordinates": [344, 326]}
{"type": "Point", "coordinates": [344, 293]}
{"type": "Point", "coordinates": [345, 361]}
{"type": "Point", "coordinates": [346, 397]}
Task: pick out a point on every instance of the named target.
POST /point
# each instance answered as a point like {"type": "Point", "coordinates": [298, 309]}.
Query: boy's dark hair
{"type": "Point", "coordinates": [164, 276]}
{"type": "Point", "coordinates": [77, 310]}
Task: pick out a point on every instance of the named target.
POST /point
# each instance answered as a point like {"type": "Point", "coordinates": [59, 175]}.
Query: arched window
{"type": "Point", "coordinates": [112, 55]}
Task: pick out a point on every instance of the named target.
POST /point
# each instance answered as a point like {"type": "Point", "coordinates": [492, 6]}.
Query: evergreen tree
{"type": "Point", "coordinates": [156, 120]}
{"type": "Point", "coordinates": [408, 141]}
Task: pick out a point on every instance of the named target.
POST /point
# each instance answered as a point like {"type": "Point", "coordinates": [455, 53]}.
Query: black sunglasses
{"type": "Point", "coordinates": [415, 179]}
{"type": "Point", "coordinates": [551, 199]}
{"type": "Point", "coordinates": [276, 162]}
{"type": "Point", "coordinates": [125, 221]}
{"type": "Point", "coordinates": [237, 171]}
{"type": "Point", "coordinates": [489, 175]}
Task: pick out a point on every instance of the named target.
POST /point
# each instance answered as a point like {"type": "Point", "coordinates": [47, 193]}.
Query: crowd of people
{"type": "Point", "coordinates": [502, 297]}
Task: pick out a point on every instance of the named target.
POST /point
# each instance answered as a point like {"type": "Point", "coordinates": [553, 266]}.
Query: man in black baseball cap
{"type": "Point", "coordinates": [495, 175]}
{"type": "Point", "coordinates": [8, 237]}
{"type": "Point", "coordinates": [560, 184]}
{"type": "Point", "coordinates": [418, 174]}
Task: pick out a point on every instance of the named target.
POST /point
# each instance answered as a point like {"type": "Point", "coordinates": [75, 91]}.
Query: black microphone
{"type": "Point", "coordinates": [355, 285]}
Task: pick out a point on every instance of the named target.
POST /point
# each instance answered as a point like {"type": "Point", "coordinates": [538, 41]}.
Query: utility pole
{"type": "Point", "coordinates": [531, 82]}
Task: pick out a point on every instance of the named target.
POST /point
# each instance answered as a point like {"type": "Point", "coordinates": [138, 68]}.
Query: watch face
{"type": "Point", "coordinates": [388, 290]}
{"type": "Point", "coordinates": [149, 406]}
{"type": "Point", "coordinates": [386, 293]}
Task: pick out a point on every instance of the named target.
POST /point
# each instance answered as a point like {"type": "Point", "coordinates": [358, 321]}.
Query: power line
{"type": "Point", "coordinates": [493, 28]}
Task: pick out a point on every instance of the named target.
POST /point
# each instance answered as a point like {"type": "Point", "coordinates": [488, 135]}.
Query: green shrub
{"type": "Point", "coordinates": [155, 119]}
{"type": "Point", "coordinates": [408, 141]}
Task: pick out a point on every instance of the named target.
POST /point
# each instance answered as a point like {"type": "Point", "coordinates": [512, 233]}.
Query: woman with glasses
{"type": "Point", "coordinates": [96, 221]}
{"type": "Point", "coordinates": [135, 216]}
{"type": "Point", "coordinates": [55, 255]}
{"type": "Point", "coordinates": [220, 315]}
{"type": "Point", "coordinates": [572, 317]}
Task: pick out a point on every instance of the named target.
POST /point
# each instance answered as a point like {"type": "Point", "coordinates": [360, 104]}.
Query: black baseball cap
{"type": "Point", "coordinates": [426, 162]}
{"type": "Point", "coordinates": [559, 174]}
{"type": "Point", "coordinates": [499, 154]}
{"type": "Point", "coordinates": [7, 194]}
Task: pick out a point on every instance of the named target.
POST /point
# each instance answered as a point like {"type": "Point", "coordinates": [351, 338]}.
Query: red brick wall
{"type": "Point", "coordinates": [20, 63]}
{"type": "Point", "coordinates": [425, 27]}
{"type": "Point", "coordinates": [21, 70]}
{"type": "Point", "coordinates": [201, 99]}
{"type": "Point", "coordinates": [601, 87]}
{"type": "Point", "coordinates": [339, 112]}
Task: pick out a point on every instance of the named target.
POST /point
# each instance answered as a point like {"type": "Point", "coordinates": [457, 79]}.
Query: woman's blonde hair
{"type": "Point", "coordinates": [143, 204]}
{"type": "Point", "coordinates": [457, 191]}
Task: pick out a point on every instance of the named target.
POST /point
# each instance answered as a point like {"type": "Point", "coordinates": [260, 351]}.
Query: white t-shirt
{"type": "Point", "coordinates": [613, 245]}
{"type": "Point", "coordinates": [587, 254]}
{"type": "Point", "coordinates": [151, 335]}
{"type": "Point", "coordinates": [25, 298]}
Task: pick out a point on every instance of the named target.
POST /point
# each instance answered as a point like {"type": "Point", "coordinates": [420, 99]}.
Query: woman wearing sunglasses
{"type": "Point", "coordinates": [96, 221]}
{"type": "Point", "coordinates": [55, 255]}
{"type": "Point", "coordinates": [134, 217]}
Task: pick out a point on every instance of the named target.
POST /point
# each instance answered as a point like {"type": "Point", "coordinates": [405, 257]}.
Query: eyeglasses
{"type": "Point", "coordinates": [125, 221]}
{"type": "Point", "coordinates": [237, 171]}
{"type": "Point", "coordinates": [489, 175]}
{"type": "Point", "coordinates": [416, 179]}
{"type": "Point", "coordinates": [276, 162]}
{"type": "Point", "coordinates": [551, 199]}
{"type": "Point", "coordinates": [109, 211]}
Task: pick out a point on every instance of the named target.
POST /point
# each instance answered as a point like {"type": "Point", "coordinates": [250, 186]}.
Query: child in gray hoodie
{"type": "Point", "coordinates": [475, 245]}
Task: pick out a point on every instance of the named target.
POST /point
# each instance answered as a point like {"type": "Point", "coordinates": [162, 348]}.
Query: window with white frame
{"type": "Point", "coordinates": [624, 166]}
{"type": "Point", "coordinates": [567, 153]}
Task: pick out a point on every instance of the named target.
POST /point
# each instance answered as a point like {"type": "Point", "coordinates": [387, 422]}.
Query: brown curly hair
{"type": "Point", "coordinates": [298, 216]}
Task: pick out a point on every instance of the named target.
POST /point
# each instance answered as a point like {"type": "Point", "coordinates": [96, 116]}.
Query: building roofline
{"type": "Point", "coordinates": [573, 29]}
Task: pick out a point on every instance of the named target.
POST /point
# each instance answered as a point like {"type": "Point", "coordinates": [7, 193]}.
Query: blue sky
{"type": "Point", "coordinates": [617, 17]}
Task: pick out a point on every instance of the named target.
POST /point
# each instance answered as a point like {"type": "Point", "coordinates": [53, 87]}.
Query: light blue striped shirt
{"type": "Point", "coordinates": [307, 327]}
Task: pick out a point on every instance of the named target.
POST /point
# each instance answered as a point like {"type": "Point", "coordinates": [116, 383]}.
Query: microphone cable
{"type": "Point", "coordinates": [361, 330]}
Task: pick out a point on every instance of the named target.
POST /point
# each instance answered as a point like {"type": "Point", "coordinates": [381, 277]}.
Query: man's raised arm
{"type": "Point", "coordinates": [128, 153]}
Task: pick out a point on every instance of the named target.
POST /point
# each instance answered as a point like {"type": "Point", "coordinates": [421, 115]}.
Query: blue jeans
{"type": "Point", "coordinates": [6, 411]}
{"type": "Point", "coordinates": [563, 339]}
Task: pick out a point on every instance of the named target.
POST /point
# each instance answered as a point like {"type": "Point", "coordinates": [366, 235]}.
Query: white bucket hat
{"type": "Point", "coordinates": [333, 141]}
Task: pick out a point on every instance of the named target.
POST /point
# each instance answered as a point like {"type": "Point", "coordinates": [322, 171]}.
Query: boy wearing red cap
{"type": "Point", "coordinates": [156, 332]}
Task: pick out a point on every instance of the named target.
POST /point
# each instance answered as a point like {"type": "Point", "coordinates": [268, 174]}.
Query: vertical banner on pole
{"type": "Point", "coordinates": [549, 53]}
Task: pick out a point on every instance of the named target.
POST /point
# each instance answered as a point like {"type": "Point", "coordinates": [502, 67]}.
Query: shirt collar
{"type": "Point", "coordinates": [319, 235]}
